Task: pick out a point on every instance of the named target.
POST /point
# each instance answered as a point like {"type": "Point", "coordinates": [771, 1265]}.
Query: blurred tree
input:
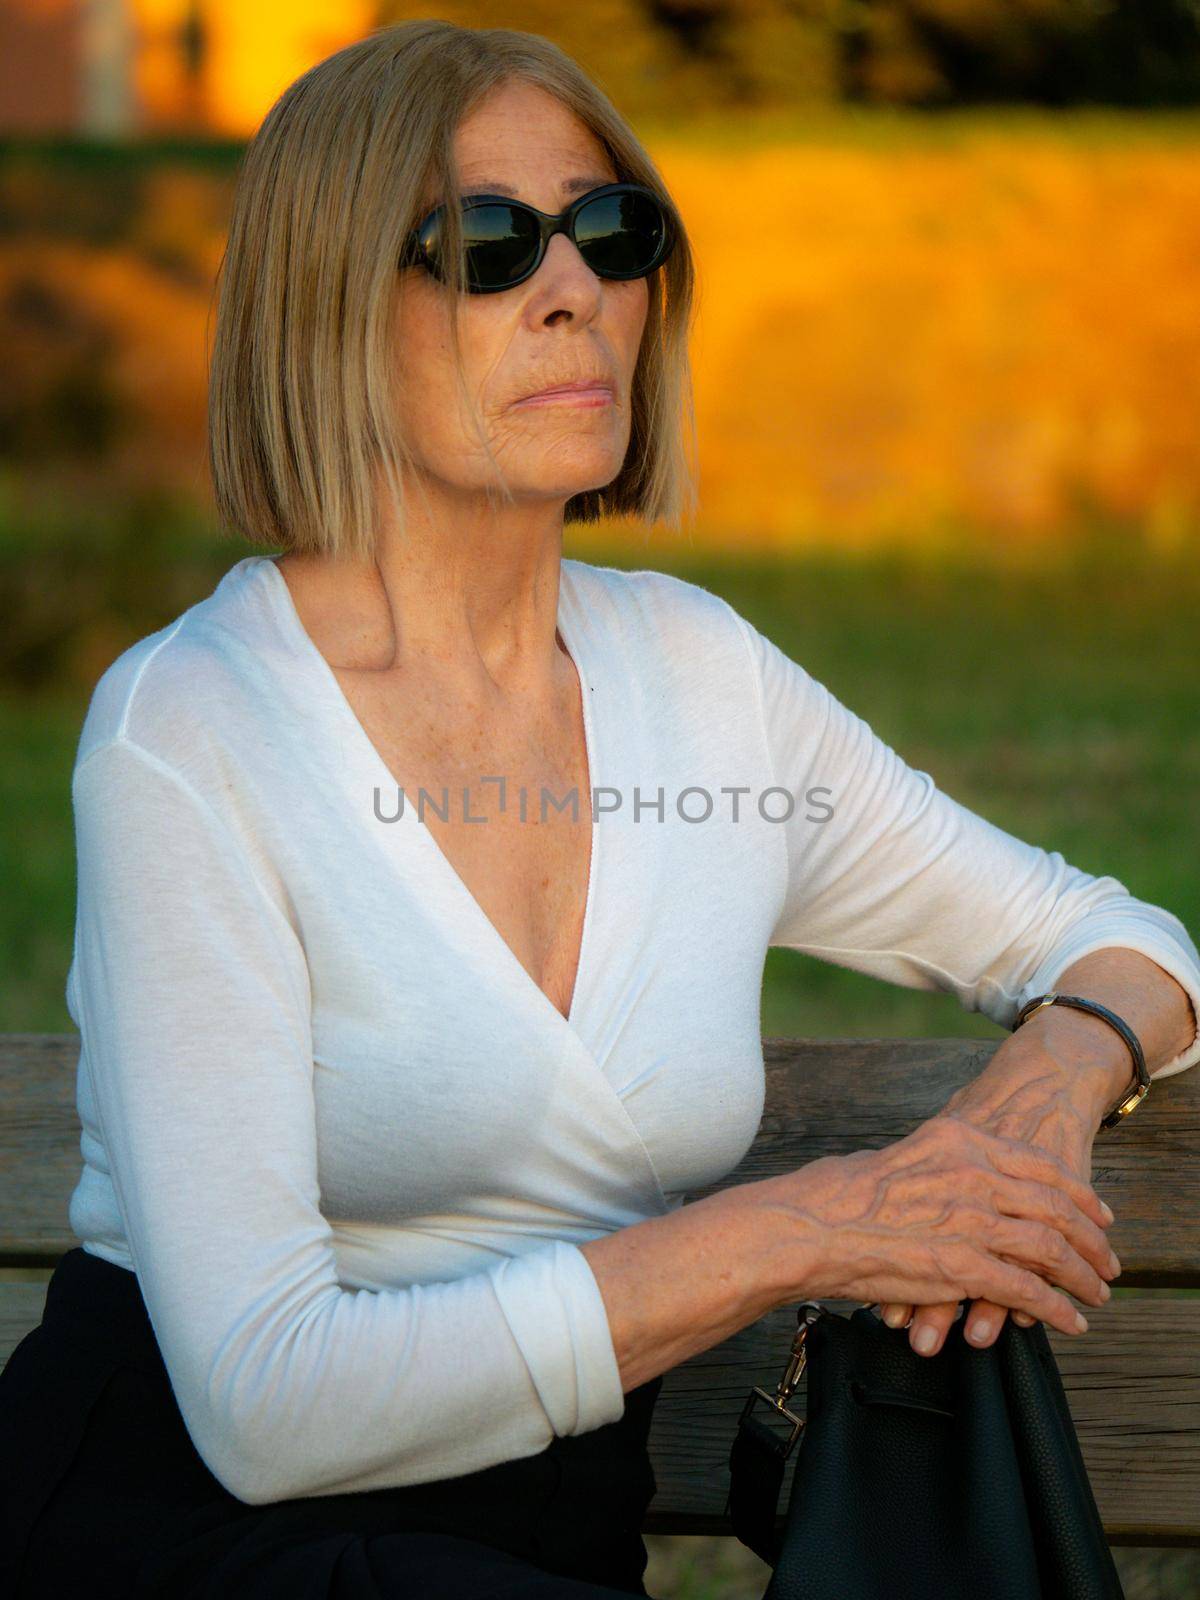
{"type": "Point", "coordinates": [615, 41]}
{"type": "Point", "coordinates": [60, 397]}
{"type": "Point", "coordinates": [665, 58]}
{"type": "Point", "coordinates": [772, 53]}
{"type": "Point", "coordinates": [1051, 52]}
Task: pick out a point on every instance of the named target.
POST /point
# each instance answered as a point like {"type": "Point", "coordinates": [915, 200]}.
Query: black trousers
{"type": "Point", "coordinates": [102, 1492]}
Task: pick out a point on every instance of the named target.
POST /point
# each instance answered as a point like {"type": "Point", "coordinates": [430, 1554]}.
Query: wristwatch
{"type": "Point", "coordinates": [1138, 1089]}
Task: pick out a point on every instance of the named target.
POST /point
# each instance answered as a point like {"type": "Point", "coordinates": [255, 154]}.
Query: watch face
{"type": "Point", "coordinates": [1123, 1107]}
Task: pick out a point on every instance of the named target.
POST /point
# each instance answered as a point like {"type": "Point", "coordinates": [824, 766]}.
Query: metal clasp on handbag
{"type": "Point", "coordinates": [806, 1315]}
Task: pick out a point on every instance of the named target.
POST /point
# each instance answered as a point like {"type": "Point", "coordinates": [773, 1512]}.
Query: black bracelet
{"type": "Point", "coordinates": [1141, 1081]}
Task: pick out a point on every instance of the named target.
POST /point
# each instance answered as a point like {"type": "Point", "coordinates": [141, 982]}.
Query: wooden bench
{"type": "Point", "coordinates": [1133, 1380]}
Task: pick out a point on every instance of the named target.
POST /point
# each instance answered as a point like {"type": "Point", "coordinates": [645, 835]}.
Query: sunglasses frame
{"type": "Point", "coordinates": [415, 252]}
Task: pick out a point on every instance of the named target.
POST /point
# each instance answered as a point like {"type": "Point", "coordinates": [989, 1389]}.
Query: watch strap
{"type": "Point", "coordinates": [1141, 1078]}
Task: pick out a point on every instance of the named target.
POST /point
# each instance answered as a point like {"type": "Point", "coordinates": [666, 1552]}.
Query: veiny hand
{"type": "Point", "coordinates": [1027, 1097]}
{"type": "Point", "coordinates": [951, 1212]}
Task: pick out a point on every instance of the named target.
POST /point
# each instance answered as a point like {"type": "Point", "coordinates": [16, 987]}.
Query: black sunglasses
{"type": "Point", "coordinates": [621, 230]}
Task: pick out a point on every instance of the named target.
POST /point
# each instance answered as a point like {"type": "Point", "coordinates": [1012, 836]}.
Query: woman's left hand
{"type": "Point", "coordinates": [1054, 1103]}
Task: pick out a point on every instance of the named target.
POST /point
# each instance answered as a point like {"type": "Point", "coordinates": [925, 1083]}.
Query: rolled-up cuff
{"type": "Point", "coordinates": [1106, 933]}
{"type": "Point", "coordinates": [553, 1305]}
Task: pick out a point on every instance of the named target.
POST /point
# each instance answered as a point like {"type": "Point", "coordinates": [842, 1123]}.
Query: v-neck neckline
{"type": "Point", "coordinates": [572, 638]}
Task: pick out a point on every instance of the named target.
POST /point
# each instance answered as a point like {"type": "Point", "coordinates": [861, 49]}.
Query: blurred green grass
{"type": "Point", "coordinates": [714, 1567]}
{"type": "Point", "coordinates": [1061, 702]}
{"type": "Point", "coordinates": [843, 123]}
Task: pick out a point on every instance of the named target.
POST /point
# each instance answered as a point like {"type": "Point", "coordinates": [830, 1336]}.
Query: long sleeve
{"type": "Point", "coordinates": [888, 875]}
{"type": "Point", "coordinates": [190, 988]}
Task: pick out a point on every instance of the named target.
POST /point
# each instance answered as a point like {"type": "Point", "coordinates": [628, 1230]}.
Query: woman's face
{"type": "Point", "coordinates": [561, 325]}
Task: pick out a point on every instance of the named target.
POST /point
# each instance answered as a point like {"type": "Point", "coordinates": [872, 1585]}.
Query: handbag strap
{"type": "Point", "coordinates": [757, 1456]}
{"type": "Point", "coordinates": [756, 1462]}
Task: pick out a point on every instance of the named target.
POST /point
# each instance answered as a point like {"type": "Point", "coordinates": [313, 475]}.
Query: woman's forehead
{"type": "Point", "coordinates": [519, 137]}
{"type": "Point", "coordinates": [568, 187]}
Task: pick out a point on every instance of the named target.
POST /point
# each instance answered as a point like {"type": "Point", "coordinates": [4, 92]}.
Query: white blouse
{"type": "Point", "coordinates": [346, 1142]}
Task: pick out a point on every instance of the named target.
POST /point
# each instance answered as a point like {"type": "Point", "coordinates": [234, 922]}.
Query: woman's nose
{"type": "Point", "coordinates": [562, 251]}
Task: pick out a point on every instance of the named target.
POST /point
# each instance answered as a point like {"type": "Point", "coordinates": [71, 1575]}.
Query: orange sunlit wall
{"type": "Point", "coordinates": [220, 66]}
{"type": "Point", "coordinates": [41, 76]}
{"type": "Point", "coordinates": [998, 330]}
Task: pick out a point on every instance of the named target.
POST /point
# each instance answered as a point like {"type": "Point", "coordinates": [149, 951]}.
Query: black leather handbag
{"type": "Point", "coordinates": [948, 1477]}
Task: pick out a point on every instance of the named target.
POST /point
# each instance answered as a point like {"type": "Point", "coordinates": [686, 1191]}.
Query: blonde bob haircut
{"type": "Point", "coordinates": [302, 424]}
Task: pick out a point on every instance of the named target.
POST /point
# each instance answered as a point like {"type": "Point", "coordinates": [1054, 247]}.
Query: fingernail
{"type": "Point", "coordinates": [1022, 1319]}
{"type": "Point", "coordinates": [894, 1316]}
{"type": "Point", "coordinates": [926, 1340]}
{"type": "Point", "coordinates": [981, 1332]}
{"type": "Point", "coordinates": [1080, 1322]}
{"type": "Point", "coordinates": [1108, 1211]}
{"type": "Point", "coordinates": [1105, 1291]}
{"type": "Point", "coordinates": [1114, 1265]}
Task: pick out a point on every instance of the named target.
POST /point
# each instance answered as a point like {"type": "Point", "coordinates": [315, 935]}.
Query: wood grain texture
{"type": "Point", "coordinates": [823, 1097]}
{"type": "Point", "coordinates": [1132, 1383]}
{"type": "Point", "coordinates": [40, 1157]}
{"type": "Point", "coordinates": [1133, 1380]}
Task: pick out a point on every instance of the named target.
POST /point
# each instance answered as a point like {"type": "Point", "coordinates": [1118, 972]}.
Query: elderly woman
{"type": "Point", "coordinates": [390, 1105]}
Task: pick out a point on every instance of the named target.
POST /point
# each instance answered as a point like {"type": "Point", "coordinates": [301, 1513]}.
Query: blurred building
{"type": "Point", "coordinates": [118, 68]}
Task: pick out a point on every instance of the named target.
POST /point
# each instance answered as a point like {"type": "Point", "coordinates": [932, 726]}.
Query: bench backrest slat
{"type": "Point", "coordinates": [1133, 1380]}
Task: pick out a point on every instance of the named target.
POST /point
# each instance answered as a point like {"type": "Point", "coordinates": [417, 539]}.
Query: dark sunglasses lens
{"type": "Point", "coordinates": [620, 234]}
{"type": "Point", "coordinates": [501, 243]}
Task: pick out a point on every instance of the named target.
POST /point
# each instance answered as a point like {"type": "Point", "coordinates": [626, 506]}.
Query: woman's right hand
{"type": "Point", "coordinates": [950, 1212]}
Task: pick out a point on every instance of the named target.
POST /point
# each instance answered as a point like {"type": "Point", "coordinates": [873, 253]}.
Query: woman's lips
{"type": "Point", "coordinates": [594, 394]}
